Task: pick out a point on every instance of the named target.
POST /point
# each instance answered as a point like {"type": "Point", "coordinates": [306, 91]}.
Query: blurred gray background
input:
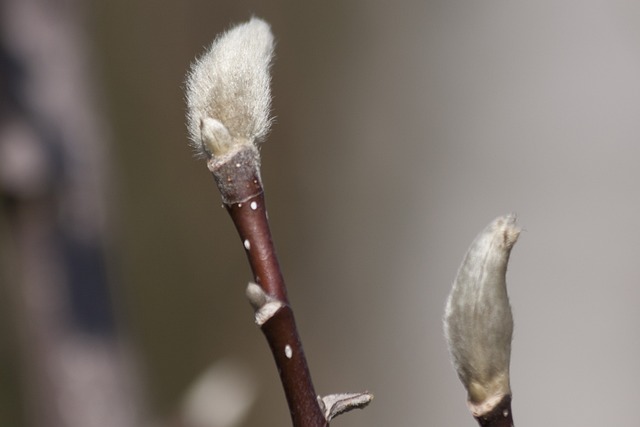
{"type": "Point", "coordinates": [402, 129]}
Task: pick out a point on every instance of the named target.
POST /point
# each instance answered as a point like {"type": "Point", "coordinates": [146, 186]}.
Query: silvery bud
{"type": "Point", "coordinates": [478, 323]}
{"type": "Point", "coordinates": [227, 90]}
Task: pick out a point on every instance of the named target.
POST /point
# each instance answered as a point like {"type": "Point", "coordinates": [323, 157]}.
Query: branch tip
{"type": "Point", "coordinates": [227, 90]}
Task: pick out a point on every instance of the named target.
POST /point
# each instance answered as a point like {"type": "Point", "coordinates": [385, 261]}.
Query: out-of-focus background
{"type": "Point", "coordinates": [402, 129]}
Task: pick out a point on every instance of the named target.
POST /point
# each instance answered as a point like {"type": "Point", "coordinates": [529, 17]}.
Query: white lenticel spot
{"type": "Point", "coordinates": [247, 244]}
{"type": "Point", "coordinates": [254, 205]}
{"type": "Point", "coordinates": [288, 351]}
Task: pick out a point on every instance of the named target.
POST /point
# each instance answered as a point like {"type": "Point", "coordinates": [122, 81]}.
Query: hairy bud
{"type": "Point", "coordinates": [227, 90]}
{"type": "Point", "coordinates": [478, 323]}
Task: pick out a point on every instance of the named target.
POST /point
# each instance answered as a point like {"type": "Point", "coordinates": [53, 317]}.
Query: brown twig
{"type": "Point", "coordinates": [239, 181]}
{"type": "Point", "coordinates": [228, 102]}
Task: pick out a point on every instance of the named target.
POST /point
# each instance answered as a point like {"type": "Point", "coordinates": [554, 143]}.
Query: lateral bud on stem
{"type": "Point", "coordinates": [265, 306]}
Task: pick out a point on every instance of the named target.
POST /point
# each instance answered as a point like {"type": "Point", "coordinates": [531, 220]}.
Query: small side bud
{"type": "Point", "coordinates": [214, 136]}
{"type": "Point", "coordinates": [256, 296]}
{"type": "Point", "coordinates": [478, 323]}
{"type": "Point", "coordinates": [265, 306]}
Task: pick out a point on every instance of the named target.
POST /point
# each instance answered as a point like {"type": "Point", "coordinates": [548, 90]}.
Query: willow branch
{"type": "Point", "coordinates": [239, 182]}
{"type": "Point", "coordinates": [228, 102]}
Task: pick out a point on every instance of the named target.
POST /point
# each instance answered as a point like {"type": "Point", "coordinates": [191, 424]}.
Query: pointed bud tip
{"type": "Point", "coordinates": [505, 226]}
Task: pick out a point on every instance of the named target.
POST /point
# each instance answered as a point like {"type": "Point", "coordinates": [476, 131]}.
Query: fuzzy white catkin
{"type": "Point", "coordinates": [227, 90]}
{"type": "Point", "coordinates": [478, 323]}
